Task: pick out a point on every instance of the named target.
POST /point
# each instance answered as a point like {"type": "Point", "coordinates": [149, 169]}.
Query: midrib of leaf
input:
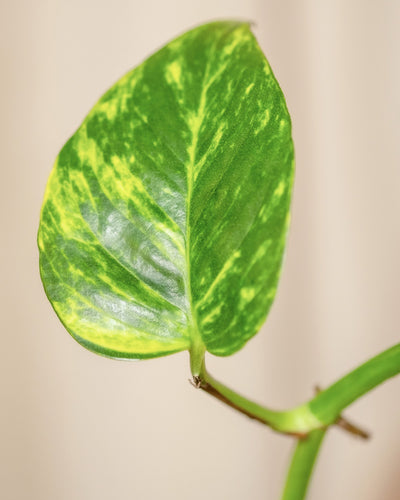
{"type": "Point", "coordinates": [194, 121]}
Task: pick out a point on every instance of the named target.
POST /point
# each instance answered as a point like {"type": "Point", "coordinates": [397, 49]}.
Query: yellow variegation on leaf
{"type": "Point", "coordinates": [165, 215]}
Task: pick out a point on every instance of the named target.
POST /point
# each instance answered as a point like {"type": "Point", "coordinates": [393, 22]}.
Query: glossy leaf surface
{"type": "Point", "coordinates": [165, 215]}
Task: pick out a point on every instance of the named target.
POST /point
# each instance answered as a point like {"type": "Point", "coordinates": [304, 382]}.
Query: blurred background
{"type": "Point", "coordinates": [76, 426]}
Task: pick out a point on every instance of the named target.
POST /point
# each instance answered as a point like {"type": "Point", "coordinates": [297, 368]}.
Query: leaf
{"type": "Point", "coordinates": [164, 219]}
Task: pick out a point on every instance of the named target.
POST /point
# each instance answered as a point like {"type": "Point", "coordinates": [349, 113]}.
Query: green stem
{"type": "Point", "coordinates": [297, 422]}
{"type": "Point", "coordinates": [321, 411]}
{"type": "Point", "coordinates": [328, 404]}
{"type": "Point", "coordinates": [302, 465]}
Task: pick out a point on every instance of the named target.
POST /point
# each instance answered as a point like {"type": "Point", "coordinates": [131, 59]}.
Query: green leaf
{"type": "Point", "coordinates": [164, 219]}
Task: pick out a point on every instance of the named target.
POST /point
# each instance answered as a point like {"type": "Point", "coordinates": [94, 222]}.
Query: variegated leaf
{"type": "Point", "coordinates": [165, 215]}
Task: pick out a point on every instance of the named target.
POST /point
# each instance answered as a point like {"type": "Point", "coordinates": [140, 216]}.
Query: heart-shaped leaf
{"type": "Point", "coordinates": [164, 219]}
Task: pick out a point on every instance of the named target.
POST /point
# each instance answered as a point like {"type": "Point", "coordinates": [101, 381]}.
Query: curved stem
{"type": "Point", "coordinates": [321, 411]}
{"type": "Point", "coordinates": [302, 465]}
{"type": "Point", "coordinates": [296, 422]}
{"type": "Point", "coordinates": [328, 404]}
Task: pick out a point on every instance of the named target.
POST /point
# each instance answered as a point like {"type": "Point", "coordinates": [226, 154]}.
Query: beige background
{"type": "Point", "coordinates": [76, 426]}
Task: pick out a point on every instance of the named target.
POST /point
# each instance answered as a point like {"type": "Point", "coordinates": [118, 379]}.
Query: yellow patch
{"type": "Point", "coordinates": [249, 88]}
{"type": "Point", "coordinates": [263, 122]}
{"type": "Point", "coordinates": [282, 125]}
{"type": "Point", "coordinates": [214, 314]}
{"type": "Point", "coordinates": [247, 294]}
{"type": "Point", "coordinates": [174, 74]}
{"type": "Point", "coordinates": [109, 108]}
{"type": "Point", "coordinates": [280, 189]}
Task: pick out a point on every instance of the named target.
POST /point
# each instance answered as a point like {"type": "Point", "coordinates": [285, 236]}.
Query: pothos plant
{"type": "Point", "coordinates": [165, 217]}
